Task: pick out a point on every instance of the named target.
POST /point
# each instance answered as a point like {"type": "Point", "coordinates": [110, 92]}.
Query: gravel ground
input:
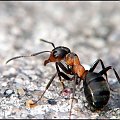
{"type": "Point", "coordinates": [90, 29]}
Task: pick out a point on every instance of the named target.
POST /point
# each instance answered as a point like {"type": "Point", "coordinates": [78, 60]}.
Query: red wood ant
{"type": "Point", "coordinates": [96, 88]}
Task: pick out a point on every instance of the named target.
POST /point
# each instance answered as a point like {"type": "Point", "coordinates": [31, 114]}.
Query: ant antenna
{"type": "Point", "coordinates": [48, 42]}
{"type": "Point", "coordinates": [34, 54]}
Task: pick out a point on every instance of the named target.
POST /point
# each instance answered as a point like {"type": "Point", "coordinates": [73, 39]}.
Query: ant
{"type": "Point", "coordinates": [96, 88]}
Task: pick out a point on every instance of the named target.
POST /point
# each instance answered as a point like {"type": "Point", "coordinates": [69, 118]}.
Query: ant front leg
{"type": "Point", "coordinates": [59, 75]}
{"type": "Point", "coordinates": [65, 90]}
{"type": "Point", "coordinates": [67, 70]}
{"type": "Point", "coordinates": [64, 76]}
{"type": "Point", "coordinates": [48, 85]}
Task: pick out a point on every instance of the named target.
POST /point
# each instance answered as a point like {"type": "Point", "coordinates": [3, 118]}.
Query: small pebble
{"type": "Point", "coordinates": [66, 92]}
{"type": "Point", "coordinates": [19, 80]}
{"type": "Point", "coordinates": [8, 92]}
{"type": "Point", "coordinates": [52, 102]}
{"type": "Point", "coordinates": [29, 104]}
{"type": "Point", "coordinates": [21, 91]}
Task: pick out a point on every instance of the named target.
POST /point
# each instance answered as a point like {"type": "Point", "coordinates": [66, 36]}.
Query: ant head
{"type": "Point", "coordinates": [57, 54]}
{"type": "Point", "coordinates": [72, 59]}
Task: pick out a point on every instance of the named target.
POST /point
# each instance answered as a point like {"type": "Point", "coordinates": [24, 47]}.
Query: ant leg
{"type": "Point", "coordinates": [58, 71]}
{"type": "Point", "coordinates": [64, 76]}
{"type": "Point", "coordinates": [48, 42]}
{"type": "Point", "coordinates": [95, 64]}
{"type": "Point", "coordinates": [74, 86]}
{"type": "Point", "coordinates": [66, 70]}
{"type": "Point", "coordinates": [49, 83]}
{"type": "Point", "coordinates": [66, 91]}
{"type": "Point", "coordinates": [103, 67]}
{"type": "Point", "coordinates": [110, 67]}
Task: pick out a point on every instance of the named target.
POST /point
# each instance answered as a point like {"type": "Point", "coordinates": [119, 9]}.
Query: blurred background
{"type": "Point", "coordinates": [90, 29]}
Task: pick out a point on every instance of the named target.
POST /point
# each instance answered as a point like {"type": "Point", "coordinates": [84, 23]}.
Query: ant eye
{"type": "Point", "coordinates": [55, 54]}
